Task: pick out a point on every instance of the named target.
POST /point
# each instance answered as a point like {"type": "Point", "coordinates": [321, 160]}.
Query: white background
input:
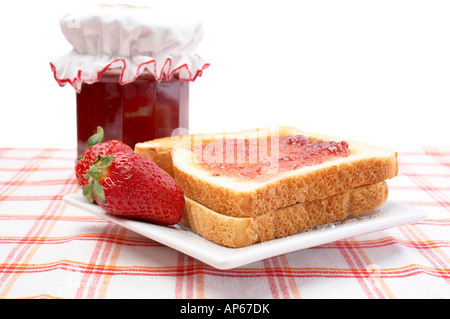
{"type": "Point", "coordinates": [377, 71]}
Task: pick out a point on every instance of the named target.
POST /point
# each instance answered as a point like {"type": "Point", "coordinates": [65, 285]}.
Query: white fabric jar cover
{"type": "Point", "coordinates": [132, 38]}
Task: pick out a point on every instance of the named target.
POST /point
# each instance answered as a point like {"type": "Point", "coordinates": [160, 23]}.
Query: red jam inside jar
{"type": "Point", "coordinates": [261, 159]}
{"type": "Point", "coordinates": [139, 111]}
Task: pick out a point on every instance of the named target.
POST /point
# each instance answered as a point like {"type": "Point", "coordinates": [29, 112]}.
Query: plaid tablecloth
{"type": "Point", "coordinates": [49, 249]}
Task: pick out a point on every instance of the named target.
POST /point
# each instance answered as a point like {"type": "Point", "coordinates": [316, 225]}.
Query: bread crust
{"type": "Point", "coordinates": [237, 232]}
{"type": "Point", "coordinates": [159, 151]}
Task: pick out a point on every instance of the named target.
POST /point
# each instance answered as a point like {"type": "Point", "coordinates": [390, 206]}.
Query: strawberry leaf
{"type": "Point", "coordinates": [94, 190]}
{"type": "Point", "coordinates": [98, 191]}
{"type": "Point", "coordinates": [94, 172]}
{"type": "Point", "coordinates": [87, 193]}
{"type": "Point", "coordinates": [96, 138]}
{"type": "Point", "coordinates": [105, 161]}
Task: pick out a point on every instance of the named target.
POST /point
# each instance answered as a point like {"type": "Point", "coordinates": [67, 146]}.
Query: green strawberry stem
{"type": "Point", "coordinates": [94, 189]}
{"type": "Point", "coordinates": [97, 138]}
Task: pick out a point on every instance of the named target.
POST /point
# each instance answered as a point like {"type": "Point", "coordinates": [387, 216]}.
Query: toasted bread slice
{"type": "Point", "coordinates": [237, 232]}
{"type": "Point", "coordinates": [232, 196]}
{"type": "Point", "coordinates": [318, 203]}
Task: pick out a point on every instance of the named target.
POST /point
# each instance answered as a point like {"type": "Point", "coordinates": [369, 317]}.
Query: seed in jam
{"type": "Point", "coordinates": [297, 140]}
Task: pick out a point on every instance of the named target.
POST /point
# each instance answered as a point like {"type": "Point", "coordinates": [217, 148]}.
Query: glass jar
{"type": "Point", "coordinates": [135, 112]}
{"type": "Point", "coordinates": [131, 67]}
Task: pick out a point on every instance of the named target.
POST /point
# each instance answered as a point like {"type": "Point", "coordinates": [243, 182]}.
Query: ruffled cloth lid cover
{"type": "Point", "coordinates": [132, 38]}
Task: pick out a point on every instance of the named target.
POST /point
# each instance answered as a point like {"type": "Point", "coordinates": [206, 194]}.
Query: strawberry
{"type": "Point", "coordinates": [131, 186]}
{"type": "Point", "coordinates": [96, 147]}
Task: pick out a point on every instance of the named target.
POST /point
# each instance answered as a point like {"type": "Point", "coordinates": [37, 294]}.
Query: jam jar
{"type": "Point", "coordinates": [135, 112]}
{"type": "Point", "coordinates": [131, 68]}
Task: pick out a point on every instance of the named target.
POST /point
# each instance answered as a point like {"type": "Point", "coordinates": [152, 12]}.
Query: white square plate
{"type": "Point", "coordinates": [391, 214]}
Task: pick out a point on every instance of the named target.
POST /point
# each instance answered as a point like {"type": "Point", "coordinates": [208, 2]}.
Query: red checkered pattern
{"type": "Point", "coordinates": [51, 250]}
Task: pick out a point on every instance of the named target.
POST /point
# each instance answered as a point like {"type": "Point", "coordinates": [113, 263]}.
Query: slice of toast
{"type": "Point", "coordinates": [317, 203]}
{"type": "Point", "coordinates": [237, 232]}
{"type": "Point", "coordinates": [235, 197]}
